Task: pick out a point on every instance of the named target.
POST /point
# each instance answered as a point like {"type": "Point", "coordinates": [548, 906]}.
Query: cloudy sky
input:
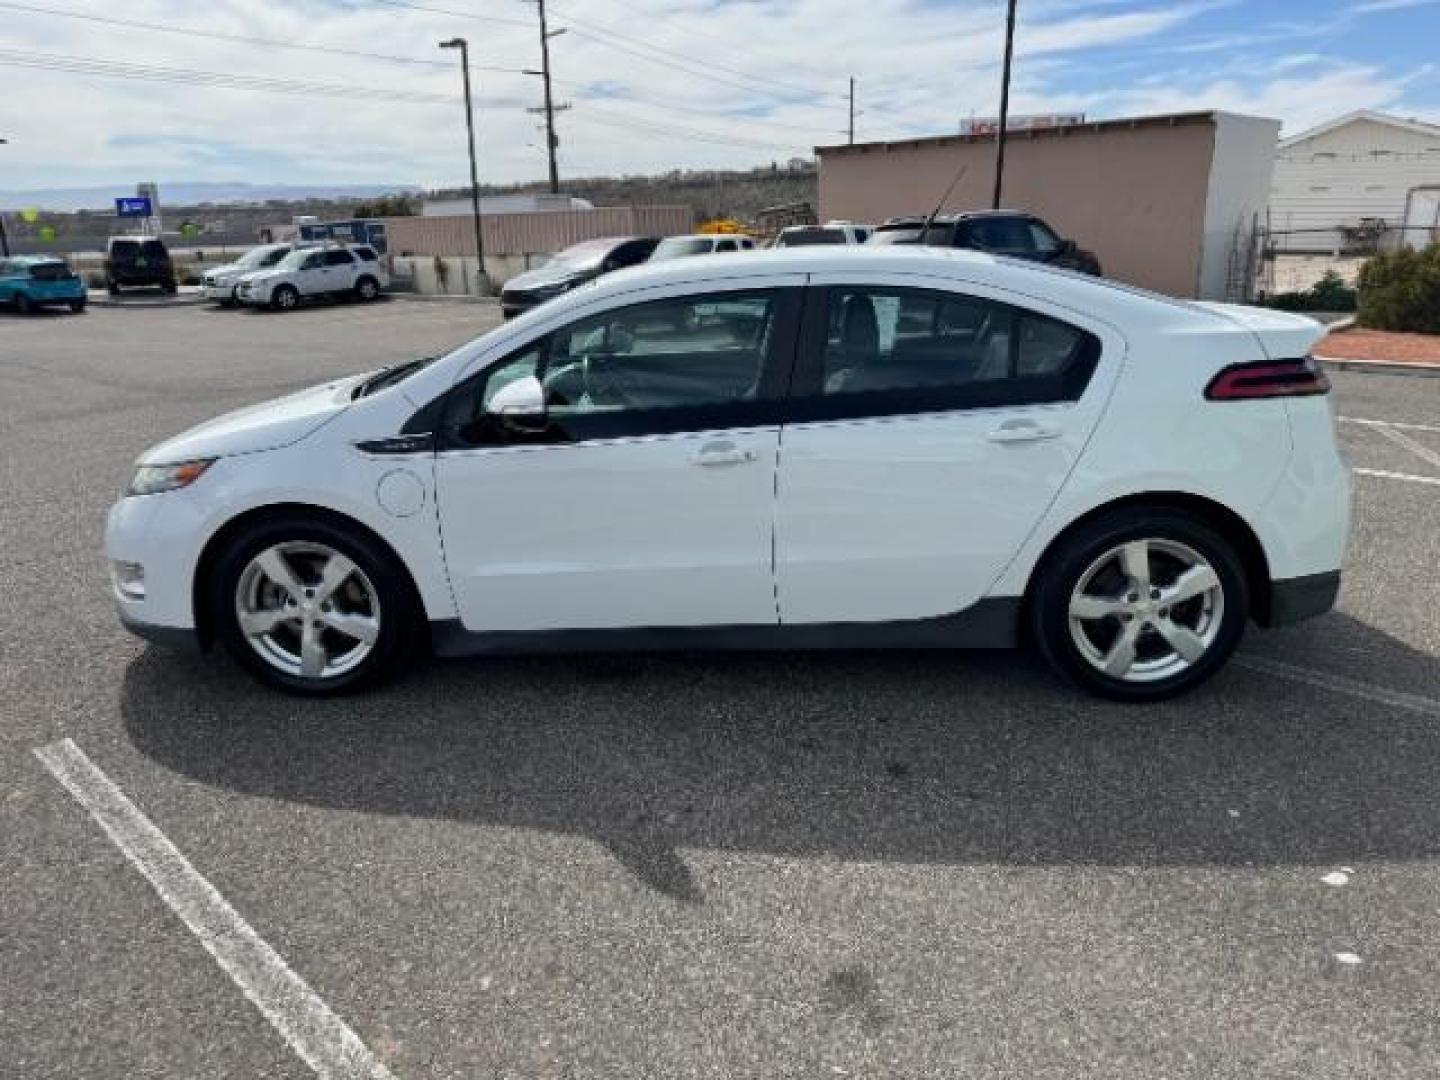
{"type": "Point", "coordinates": [275, 91]}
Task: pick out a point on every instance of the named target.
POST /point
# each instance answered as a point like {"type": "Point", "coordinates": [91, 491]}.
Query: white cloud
{"type": "Point", "coordinates": [922, 66]}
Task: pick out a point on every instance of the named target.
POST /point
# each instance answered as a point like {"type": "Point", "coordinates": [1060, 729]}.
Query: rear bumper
{"type": "Point", "coordinates": [1293, 600]}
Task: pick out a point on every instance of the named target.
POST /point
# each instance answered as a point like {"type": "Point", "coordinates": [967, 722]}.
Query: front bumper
{"type": "Point", "coordinates": [223, 291]}
{"type": "Point", "coordinates": [162, 536]}
{"type": "Point", "coordinates": [178, 638]}
{"type": "Point", "coordinates": [1294, 600]}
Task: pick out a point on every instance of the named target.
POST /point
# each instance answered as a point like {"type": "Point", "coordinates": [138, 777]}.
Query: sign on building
{"type": "Point", "coordinates": [133, 206]}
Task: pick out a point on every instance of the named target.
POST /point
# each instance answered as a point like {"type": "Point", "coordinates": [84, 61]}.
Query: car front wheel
{"type": "Point", "coordinates": [284, 298]}
{"type": "Point", "coordinates": [77, 305]}
{"type": "Point", "coordinates": [312, 608]}
{"type": "Point", "coordinates": [1140, 605]}
{"type": "Point", "coordinates": [23, 304]}
{"type": "Point", "coordinates": [367, 288]}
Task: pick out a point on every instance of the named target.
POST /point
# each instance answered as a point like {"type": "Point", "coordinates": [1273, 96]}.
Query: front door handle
{"type": "Point", "coordinates": [1016, 431]}
{"type": "Point", "coordinates": [721, 453]}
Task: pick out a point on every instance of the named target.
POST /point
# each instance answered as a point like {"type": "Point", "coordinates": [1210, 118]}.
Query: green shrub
{"type": "Point", "coordinates": [1330, 293]}
{"type": "Point", "coordinates": [1400, 290]}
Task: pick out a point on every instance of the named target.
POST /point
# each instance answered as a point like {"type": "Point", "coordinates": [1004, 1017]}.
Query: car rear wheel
{"type": "Point", "coordinates": [77, 305]}
{"type": "Point", "coordinates": [1141, 605]}
{"type": "Point", "coordinates": [284, 298]}
{"type": "Point", "coordinates": [311, 608]}
{"type": "Point", "coordinates": [367, 288]}
{"type": "Point", "coordinates": [23, 304]}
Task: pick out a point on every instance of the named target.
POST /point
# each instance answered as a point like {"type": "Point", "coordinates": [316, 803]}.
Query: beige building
{"type": "Point", "coordinates": [1167, 202]}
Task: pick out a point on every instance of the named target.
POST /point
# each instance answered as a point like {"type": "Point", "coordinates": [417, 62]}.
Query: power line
{"type": "Point", "coordinates": [589, 29]}
{"type": "Point", "coordinates": [240, 39]}
{"type": "Point", "coordinates": [125, 70]}
{"type": "Point", "coordinates": [243, 39]}
{"type": "Point", "coordinates": [453, 14]}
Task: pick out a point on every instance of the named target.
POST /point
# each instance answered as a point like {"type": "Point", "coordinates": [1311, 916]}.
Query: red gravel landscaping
{"type": "Point", "coordinates": [1380, 345]}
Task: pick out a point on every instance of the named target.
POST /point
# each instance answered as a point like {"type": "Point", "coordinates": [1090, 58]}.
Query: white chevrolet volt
{"type": "Point", "coordinates": [817, 448]}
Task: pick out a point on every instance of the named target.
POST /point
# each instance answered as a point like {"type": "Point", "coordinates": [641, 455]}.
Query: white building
{"type": "Point", "coordinates": [1357, 170]}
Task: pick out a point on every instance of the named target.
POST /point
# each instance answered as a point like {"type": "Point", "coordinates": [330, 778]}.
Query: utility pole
{"type": "Point", "coordinates": [852, 110]}
{"type": "Point", "coordinates": [552, 142]}
{"type": "Point", "coordinates": [481, 286]}
{"type": "Point", "coordinates": [1004, 104]}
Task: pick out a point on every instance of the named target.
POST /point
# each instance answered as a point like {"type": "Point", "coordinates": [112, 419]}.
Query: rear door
{"type": "Point", "coordinates": [930, 428]}
{"type": "Point", "coordinates": [340, 271]}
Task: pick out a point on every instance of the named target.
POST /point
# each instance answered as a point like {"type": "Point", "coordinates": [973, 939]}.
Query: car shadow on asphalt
{"type": "Point", "coordinates": [969, 758]}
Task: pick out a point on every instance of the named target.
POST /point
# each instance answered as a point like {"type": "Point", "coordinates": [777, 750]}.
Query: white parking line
{"type": "Point", "coordinates": [1388, 424]}
{"type": "Point", "coordinates": [1367, 691]}
{"type": "Point", "coordinates": [321, 1038]}
{"type": "Point", "coordinates": [1386, 474]}
{"type": "Point", "coordinates": [1420, 450]}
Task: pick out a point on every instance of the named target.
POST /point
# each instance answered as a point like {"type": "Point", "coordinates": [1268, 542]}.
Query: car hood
{"type": "Point", "coordinates": [551, 274]}
{"type": "Point", "coordinates": [260, 275]}
{"type": "Point", "coordinates": [267, 426]}
{"type": "Point", "coordinates": [1283, 335]}
{"type": "Point", "coordinates": [228, 270]}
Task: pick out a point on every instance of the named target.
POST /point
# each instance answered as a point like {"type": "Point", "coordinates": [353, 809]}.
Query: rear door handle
{"type": "Point", "coordinates": [721, 453]}
{"type": "Point", "coordinates": [1016, 431]}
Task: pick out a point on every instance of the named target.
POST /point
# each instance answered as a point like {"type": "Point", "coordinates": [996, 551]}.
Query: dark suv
{"type": "Point", "coordinates": [138, 260]}
{"type": "Point", "coordinates": [1000, 232]}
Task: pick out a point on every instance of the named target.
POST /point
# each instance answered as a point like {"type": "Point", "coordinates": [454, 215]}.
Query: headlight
{"type": "Point", "coordinates": [553, 289]}
{"type": "Point", "coordinates": [153, 479]}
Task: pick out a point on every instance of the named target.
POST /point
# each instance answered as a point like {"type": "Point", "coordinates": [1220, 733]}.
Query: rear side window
{"type": "Point", "coordinates": [337, 257]}
{"type": "Point", "coordinates": [883, 351]}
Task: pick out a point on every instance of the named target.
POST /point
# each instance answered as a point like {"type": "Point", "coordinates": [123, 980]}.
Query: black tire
{"type": "Point", "coordinates": [1061, 570]}
{"type": "Point", "coordinates": [402, 625]}
{"type": "Point", "coordinates": [285, 298]}
{"type": "Point", "coordinates": [23, 304]}
{"type": "Point", "coordinates": [367, 288]}
{"type": "Point", "coordinates": [169, 288]}
{"type": "Point", "coordinates": [77, 305]}
{"type": "Point", "coordinates": [112, 288]}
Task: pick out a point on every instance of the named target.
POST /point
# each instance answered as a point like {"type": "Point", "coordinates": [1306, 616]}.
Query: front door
{"type": "Point", "coordinates": [645, 496]}
{"type": "Point", "coordinates": [932, 429]}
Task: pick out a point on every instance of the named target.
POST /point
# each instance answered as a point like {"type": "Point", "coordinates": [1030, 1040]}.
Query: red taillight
{"type": "Point", "coordinates": [1268, 379]}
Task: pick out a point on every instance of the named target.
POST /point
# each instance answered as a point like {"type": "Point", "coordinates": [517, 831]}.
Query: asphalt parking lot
{"type": "Point", "coordinates": [872, 865]}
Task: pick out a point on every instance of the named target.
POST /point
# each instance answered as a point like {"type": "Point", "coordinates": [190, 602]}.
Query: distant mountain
{"type": "Point", "coordinates": [181, 193]}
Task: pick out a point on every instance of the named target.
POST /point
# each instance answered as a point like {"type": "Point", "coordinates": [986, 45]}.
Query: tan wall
{"type": "Point", "coordinates": [1134, 196]}
{"type": "Point", "coordinates": [522, 234]}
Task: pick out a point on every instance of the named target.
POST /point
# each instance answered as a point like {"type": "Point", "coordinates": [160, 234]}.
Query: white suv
{"type": "Point", "coordinates": [308, 272]}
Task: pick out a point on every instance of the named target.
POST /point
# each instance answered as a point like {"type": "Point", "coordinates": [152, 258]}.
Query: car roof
{"type": "Point", "coordinates": [1079, 292]}
{"type": "Point", "coordinates": [911, 220]}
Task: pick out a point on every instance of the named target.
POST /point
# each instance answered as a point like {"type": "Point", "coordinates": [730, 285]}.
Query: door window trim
{"type": "Point", "coordinates": [766, 409]}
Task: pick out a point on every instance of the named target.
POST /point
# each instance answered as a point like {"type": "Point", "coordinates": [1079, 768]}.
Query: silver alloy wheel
{"type": "Point", "coordinates": [286, 298]}
{"type": "Point", "coordinates": [307, 610]}
{"type": "Point", "coordinates": [368, 290]}
{"type": "Point", "coordinates": [1146, 610]}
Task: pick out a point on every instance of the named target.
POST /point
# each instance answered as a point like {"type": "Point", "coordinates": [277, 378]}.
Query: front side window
{"type": "Point", "coordinates": [687, 364]}
{"type": "Point", "coordinates": [1042, 238]}
{"type": "Point", "coordinates": [884, 351]}
{"type": "Point", "coordinates": [366, 254]}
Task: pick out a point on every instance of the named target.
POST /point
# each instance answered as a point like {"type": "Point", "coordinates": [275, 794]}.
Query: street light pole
{"type": "Point", "coordinates": [851, 139]}
{"type": "Point", "coordinates": [552, 141]}
{"type": "Point", "coordinates": [481, 285]}
{"type": "Point", "coordinates": [1004, 104]}
{"type": "Point", "coordinates": [4, 240]}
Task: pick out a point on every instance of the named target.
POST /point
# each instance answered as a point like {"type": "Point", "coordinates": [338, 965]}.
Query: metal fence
{"type": "Point", "coordinates": [532, 234]}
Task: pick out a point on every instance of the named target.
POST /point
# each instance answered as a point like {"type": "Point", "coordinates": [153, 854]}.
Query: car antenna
{"type": "Point", "coordinates": [930, 220]}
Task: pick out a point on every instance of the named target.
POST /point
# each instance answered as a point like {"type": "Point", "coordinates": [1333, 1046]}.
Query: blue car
{"type": "Point", "coordinates": [28, 282]}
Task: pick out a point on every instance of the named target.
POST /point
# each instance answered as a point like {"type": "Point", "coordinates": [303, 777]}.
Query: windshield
{"type": "Point", "coordinates": [391, 375]}
{"type": "Point", "coordinates": [263, 256]}
{"type": "Point", "coordinates": [587, 253]}
{"type": "Point", "coordinates": [807, 237]}
{"type": "Point", "coordinates": [938, 235]}
{"type": "Point", "coordinates": [676, 246]}
{"type": "Point", "coordinates": [293, 261]}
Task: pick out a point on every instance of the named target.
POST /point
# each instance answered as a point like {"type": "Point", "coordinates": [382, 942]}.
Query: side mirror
{"type": "Point", "coordinates": [1067, 247]}
{"type": "Point", "coordinates": [520, 405]}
